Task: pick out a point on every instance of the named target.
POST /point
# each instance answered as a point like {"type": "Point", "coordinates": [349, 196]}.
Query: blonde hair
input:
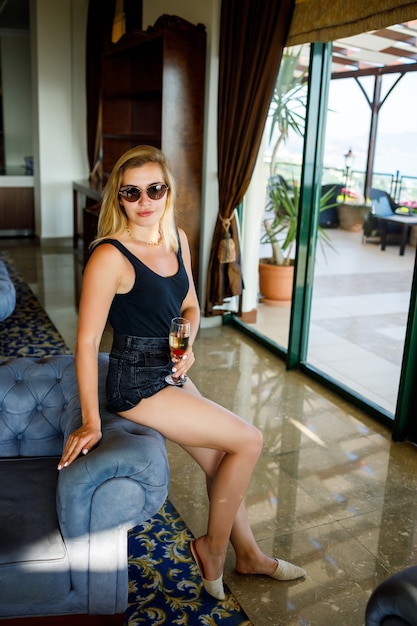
{"type": "Point", "coordinates": [112, 217]}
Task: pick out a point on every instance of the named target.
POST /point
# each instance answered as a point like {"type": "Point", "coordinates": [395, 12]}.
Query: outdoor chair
{"type": "Point", "coordinates": [329, 218]}
{"type": "Point", "coordinates": [383, 205]}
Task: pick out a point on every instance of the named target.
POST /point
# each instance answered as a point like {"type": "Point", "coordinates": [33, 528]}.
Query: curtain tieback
{"type": "Point", "coordinates": [227, 249]}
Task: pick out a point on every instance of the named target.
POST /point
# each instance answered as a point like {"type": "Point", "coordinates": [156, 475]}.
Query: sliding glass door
{"type": "Point", "coordinates": [351, 317]}
{"type": "Point", "coordinates": [361, 293]}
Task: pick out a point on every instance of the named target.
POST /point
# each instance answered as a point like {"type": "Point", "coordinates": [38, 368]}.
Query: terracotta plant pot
{"type": "Point", "coordinates": [276, 281]}
{"type": "Point", "coordinates": [351, 216]}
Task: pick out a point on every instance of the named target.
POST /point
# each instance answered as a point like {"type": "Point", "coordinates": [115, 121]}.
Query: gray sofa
{"type": "Point", "coordinates": [7, 293]}
{"type": "Point", "coordinates": [63, 535]}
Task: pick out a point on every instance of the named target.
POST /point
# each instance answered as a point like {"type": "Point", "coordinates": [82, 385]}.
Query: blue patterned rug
{"type": "Point", "coordinates": [28, 331]}
{"type": "Point", "coordinates": [164, 584]}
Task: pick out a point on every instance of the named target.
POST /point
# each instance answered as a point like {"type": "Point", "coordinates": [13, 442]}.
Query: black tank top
{"type": "Point", "coordinates": [147, 309]}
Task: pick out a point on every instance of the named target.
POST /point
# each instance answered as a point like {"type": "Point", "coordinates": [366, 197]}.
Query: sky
{"type": "Point", "coordinates": [348, 125]}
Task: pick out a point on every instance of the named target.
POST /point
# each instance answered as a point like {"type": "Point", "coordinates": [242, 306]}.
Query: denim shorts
{"type": "Point", "coordinates": [137, 370]}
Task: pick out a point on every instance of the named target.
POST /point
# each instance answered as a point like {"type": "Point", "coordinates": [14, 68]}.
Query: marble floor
{"type": "Point", "coordinates": [331, 491]}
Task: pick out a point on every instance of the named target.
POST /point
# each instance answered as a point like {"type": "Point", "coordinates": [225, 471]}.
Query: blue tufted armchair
{"type": "Point", "coordinates": [63, 535]}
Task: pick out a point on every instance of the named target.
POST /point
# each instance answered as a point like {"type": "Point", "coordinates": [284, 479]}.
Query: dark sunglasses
{"type": "Point", "coordinates": [156, 191]}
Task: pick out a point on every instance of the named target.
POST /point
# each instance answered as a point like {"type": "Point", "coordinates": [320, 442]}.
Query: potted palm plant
{"type": "Point", "coordinates": [276, 273]}
{"type": "Point", "coordinates": [288, 103]}
{"type": "Point", "coordinates": [287, 111]}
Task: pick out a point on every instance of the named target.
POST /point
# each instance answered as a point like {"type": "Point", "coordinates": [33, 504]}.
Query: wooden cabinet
{"type": "Point", "coordinates": [153, 93]}
{"type": "Point", "coordinates": [17, 211]}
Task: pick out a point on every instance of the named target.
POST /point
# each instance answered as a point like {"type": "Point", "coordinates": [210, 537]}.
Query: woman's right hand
{"type": "Point", "coordinates": [80, 441]}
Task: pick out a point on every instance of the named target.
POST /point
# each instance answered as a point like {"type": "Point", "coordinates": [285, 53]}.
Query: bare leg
{"type": "Point", "coordinates": [249, 557]}
{"type": "Point", "coordinates": [192, 421]}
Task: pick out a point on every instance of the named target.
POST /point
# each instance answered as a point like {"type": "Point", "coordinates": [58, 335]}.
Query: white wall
{"type": "Point", "coordinates": [80, 167]}
{"type": "Point", "coordinates": [59, 110]}
{"type": "Point", "coordinates": [253, 210]}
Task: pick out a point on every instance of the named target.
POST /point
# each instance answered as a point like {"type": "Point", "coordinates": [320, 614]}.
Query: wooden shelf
{"type": "Point", "coordinates": [153, 93]}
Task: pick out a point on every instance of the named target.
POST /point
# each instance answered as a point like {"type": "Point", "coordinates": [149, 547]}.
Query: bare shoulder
{"type": "Point", "coordinates": [108, 270]}
{"type": "Point", "coordinates": [183, 237]}
{"type": "Point", "coordinates": [107, 257]}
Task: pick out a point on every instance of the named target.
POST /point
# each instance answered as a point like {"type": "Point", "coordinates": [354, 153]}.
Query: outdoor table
{"type": "Point", "coordinates": [405, 220]}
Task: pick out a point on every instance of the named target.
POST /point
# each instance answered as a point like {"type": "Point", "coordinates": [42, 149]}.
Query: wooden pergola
{"type": "Point", "coordinates": [390, 50]}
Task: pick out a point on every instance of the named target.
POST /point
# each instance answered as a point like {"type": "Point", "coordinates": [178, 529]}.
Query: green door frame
{"type": "Point", "coordinates": [405, 423]}
{"type": "Point", "coordinates": [316, 115]}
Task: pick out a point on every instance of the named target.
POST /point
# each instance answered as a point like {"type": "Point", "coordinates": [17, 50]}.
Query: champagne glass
{"type": "Point", "coordinates": [179, 335]}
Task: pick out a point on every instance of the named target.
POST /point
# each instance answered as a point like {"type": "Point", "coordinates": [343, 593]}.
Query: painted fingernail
{"type": "Point", "coordinates": [66, 464]}
{"type": "Point", "coordinates": [85, 451]}
{"type": "Point", "coordinates": [174, 369]}
{"type": "Point", "coordinates": [185, 357]}
{"type": "Point", "coordinates": [59, 466]}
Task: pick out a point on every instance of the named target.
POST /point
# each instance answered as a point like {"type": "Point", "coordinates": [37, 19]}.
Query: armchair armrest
{"type": "Point", "coordinates": [116, 486]}
{"type": "Point", "coordinates": [127, 450]}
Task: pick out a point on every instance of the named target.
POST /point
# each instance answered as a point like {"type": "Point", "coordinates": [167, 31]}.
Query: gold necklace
{"type": "Point", "coordinates": [146, 243]}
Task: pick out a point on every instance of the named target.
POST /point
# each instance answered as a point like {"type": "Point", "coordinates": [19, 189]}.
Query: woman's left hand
{"type": "Point", "coordinates": [183, 363]}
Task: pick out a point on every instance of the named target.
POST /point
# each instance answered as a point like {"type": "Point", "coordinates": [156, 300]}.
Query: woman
{"type": "Point", "coordinates": [139, 276]}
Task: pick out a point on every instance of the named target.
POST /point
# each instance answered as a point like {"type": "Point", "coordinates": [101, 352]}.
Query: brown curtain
{"type": "Point", "coordinates": [252, 38]}
{"type": "Point", "coordinates": [328, 20]}
{"type": "Point", "coordinates": [99, 31]}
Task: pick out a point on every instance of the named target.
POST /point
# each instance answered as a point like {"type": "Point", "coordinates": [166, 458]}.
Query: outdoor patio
{"type": "Point", "coordinates": [359, 315]}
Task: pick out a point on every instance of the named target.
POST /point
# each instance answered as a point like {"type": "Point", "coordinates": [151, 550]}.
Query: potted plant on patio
{"type": "Point", "coordinates": [276, 273]}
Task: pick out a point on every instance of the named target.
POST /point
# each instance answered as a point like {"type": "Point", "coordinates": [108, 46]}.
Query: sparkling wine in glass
{"type": "Point", "coordinates": [179, 335]}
